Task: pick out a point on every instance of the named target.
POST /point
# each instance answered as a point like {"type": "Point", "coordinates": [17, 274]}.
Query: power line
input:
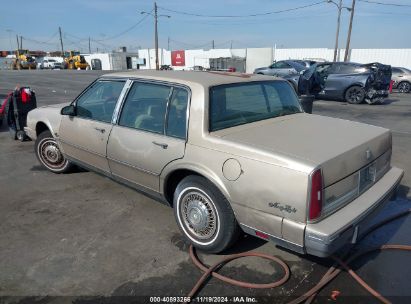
{"type": "Point", "coordinates": [127, 30]}
{"type": "Point", "coordinates": [242, 16]}
{"type": "Point", "coordinates": [37, 41]}
{"type": "Point", "coordinates": [384, 3]}
{"type": "Point", "coordinates": [42, 42]}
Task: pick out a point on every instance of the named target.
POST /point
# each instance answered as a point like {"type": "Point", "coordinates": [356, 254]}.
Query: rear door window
{"type": "Point", "coordinates": [177, 114]}
{"type": "Point", "coordinates": [397, 71]}
{"type": "Point", "coordinates": [145, 107]}
{"type": "Point", "coordinates": [281, 65]}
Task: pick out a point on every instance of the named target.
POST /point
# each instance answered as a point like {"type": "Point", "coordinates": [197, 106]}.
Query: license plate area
{"type": "Point", "coordinates": [367, 177]}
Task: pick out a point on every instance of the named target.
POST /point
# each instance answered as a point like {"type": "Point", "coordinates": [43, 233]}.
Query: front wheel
{"type": "Point", "coordinates": [404, 87]}
{"type": "Point", "coordinates": [49, 155]}
{"type": "Point", "coordinates": [204, 215]}
{"type": "Point", "coordinates": [355, 95]}
{"type": "Point", "coordinates": [21, 135]}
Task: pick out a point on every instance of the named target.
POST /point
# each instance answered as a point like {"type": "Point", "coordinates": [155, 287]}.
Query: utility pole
{"type": "Point", "coordinates": [339, 7]}
{"type": "Point", "coordinates": [18, 43]}
{"type": "Point", "coordinates": [347, 47]}
{"type": "Point", "coordinates": [61, 42]}
{"type": "Point", "coordinates": [212, 44]}
{"type": "Point", "coordinates": [338, 31]}
{"type": "Point", "coordinates": [89, 45]}
{"type": "Point", "coordinates": [168, 43]}
{"type": "Point", "coordinates": [156, 30]}
{"type": "Point", "coordinates": [21, 42]}
{"type": "Point", "coordinates": [156, 34]}
{"type": "Point", "coordinates": [231, 44]}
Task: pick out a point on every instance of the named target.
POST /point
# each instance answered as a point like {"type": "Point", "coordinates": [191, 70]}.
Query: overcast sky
{"type": "Point", "coordinates": [375, 26]}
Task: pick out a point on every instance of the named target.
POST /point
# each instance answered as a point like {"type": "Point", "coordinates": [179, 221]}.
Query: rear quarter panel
{"type": "Point", "coordinates": [337, 84]}
{"type": "Point", "coordinates": [261, 196]}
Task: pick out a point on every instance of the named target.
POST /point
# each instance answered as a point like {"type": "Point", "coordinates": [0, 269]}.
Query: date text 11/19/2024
{"type": "Point", "coordinates": [204, 299]}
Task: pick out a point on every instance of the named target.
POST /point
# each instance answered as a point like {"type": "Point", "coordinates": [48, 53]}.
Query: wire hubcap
{"type": "Point", "coordinates": [199, 215]}
{"type": "Point", "coordinates": [51, 155]}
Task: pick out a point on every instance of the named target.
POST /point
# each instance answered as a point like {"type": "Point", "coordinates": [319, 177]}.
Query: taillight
{"type": "Point", "coordinates": [316, 197]}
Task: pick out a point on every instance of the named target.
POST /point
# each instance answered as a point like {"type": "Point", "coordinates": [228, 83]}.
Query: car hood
{"type": "Point", "coordinates": [56, 106]}
{"type": "Point", "coordinates": [337, 146]}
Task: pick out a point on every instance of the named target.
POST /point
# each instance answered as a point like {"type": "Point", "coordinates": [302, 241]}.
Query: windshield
{"type": "Point", "coordinates": [236, 104]}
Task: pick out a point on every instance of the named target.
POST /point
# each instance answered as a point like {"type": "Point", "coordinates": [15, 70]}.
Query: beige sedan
{"type": "Point", "coordinates": [228, 152]}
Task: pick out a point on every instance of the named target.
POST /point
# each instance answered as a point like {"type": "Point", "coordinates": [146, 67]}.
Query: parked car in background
{"type": "Point", "coordinates": [305, 62]}
{"type": "Point", "coordinates": [226, 151]}
{"type": "Point", "coordinates": [402, 79]}
{"type": "Point", "coordinates": [166, 67]}
{"type": "Point", "coordinates": [352, 82]}
{"type": "Point", "coordinates": [281, 68]}
{"type": "Point", "coordinates": [52, 64]}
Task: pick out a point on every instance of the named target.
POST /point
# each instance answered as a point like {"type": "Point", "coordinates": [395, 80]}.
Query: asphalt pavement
{"type": "Point", "coordinates": [66, 237]}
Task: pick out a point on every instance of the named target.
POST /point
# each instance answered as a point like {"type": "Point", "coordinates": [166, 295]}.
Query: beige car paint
{"type": "Point", "coordinates": [276, 157]}
{"type": "Point", "coordinates": [85, 140]}
{"type": "Point", "coordinates": [134, 156]}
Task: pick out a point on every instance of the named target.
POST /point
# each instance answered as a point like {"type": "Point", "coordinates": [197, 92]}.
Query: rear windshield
{"type": "Point", "coordinates": [241, 103]}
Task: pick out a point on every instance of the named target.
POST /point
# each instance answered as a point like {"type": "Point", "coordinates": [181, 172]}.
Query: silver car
{"type": "Point", "coordinates": [402, 79]}
{"type": "Point", "coordinates": [281, 68]}
{"type": "Point", "coordinates": [228, 152]}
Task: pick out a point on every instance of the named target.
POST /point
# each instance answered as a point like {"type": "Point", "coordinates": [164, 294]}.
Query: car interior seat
{"type": "Point", "coordinates": [153, 120]}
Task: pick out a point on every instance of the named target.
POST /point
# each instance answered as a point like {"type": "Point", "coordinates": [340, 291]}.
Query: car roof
{"type": "Point", "coordinates": [206, 79]}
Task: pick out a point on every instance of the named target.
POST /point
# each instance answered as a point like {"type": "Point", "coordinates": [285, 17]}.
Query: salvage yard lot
{"type": "Point", "coordinates": [81, 234]}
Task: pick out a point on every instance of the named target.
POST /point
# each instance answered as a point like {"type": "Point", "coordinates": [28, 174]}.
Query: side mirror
{"type": "Point", "coordinates": [68, 110]}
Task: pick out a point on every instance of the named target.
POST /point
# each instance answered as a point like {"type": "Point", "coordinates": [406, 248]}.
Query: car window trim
{"type": "Point", "coordinates": [173, 85]}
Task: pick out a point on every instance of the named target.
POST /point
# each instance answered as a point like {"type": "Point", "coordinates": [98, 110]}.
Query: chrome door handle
{"type": "Point", "coordinates": [164, 146]}
{"type": "Point", "coordinates": [100, 130]}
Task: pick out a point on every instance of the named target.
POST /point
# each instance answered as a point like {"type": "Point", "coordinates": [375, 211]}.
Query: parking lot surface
{"type": "Point", "coordinates": [81, 234]}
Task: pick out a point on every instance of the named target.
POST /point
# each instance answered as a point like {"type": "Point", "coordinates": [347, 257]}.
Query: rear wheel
{"type": "Point", "coordinates": [355, 95]}
{"type": "Point", "coordinates": [204, 215]}
{"type": "Point", "coordinates": [21, 136]}
{"type": "Point", "coordinates": [49, 155]}
{"type": "Point", "coordinates": [404, 87]}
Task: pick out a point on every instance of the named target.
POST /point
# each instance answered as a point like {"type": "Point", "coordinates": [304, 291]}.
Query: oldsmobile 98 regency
{"type": "Point", "coordinates": [227, 152]}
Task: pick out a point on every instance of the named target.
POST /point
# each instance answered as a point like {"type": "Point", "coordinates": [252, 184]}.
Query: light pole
{"type": "Point", "coordinates": [339, 7]}
{"type": "Point", "coordinates": [156, 16]}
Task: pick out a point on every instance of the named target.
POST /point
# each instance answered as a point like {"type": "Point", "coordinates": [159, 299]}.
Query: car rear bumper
{"type": "Point", "coordinates": [349, 223]}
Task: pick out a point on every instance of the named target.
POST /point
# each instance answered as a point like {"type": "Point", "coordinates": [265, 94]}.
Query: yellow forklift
{"type": "Point", "coordinates": [23, 61]}
{"type": "Point", "coordinates": [73, 61]}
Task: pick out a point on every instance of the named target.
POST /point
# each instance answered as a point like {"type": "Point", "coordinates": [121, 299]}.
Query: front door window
{"type": "Point", "coordinates": [99, 101]}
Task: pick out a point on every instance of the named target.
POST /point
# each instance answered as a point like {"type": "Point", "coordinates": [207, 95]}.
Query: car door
{"type": "Point", "coordinates": [397, 75]}
{"type": "Point", "coordinates": [83, 137]}
{"type": "Point", "coordinates": [150, 133]}
{"type": "Point", "coordinates": [328, 76]}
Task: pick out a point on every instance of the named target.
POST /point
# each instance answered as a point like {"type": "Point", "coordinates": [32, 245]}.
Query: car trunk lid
{"type": "Point", "coordinates": [339, 147]}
